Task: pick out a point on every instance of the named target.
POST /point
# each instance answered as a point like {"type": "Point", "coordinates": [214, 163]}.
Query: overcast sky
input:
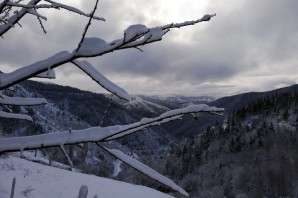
{"type": "Point", "coordinates": [251, 45]}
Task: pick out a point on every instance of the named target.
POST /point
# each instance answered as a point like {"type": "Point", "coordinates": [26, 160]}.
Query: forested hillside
{"type": "Point", "coordinates": [251, 153]}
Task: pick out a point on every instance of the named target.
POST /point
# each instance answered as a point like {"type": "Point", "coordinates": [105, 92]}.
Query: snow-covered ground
{"type": "Point", "coordinates": [35, 181]}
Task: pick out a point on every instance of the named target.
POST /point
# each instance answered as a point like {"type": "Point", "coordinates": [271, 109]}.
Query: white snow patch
{"type": "Point", "coordinates": [92, 46]}
{"type": "Point", "coordinates": [117, 169]}
{"type": "Point", "coordinates": [49, 182]}
{"type": "Point", "coordinates": [134, 31]}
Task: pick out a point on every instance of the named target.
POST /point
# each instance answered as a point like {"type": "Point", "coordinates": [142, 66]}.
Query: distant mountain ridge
{"type": "Point", "coordinates": [90, 107]}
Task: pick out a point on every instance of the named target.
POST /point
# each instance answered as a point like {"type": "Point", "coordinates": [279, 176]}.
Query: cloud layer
{"type": "Point", "coordinates": [250, 45]}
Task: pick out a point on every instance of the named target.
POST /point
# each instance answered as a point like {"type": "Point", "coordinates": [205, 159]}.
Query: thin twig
{"type": "Point", "coordinates": [41, 25]}
{"type": "Point", "coordinates": [106, 111]}
{"type": "Point", "coordinates": [87, 26]}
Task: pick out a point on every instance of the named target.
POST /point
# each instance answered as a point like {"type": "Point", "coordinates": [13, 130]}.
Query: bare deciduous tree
{"type": "Point", "coordinates": [135, 36]}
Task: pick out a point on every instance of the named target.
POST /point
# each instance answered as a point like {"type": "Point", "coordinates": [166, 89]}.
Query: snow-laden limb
{"type": "Point", "coordinates": [50, 74]}
{"type": "Point", "coordinates": [101, 79]}
{"type": "Point", "coordinates": [12, 78]}
{"type": "Point", "coordinates": [145, 170]}
{"type": "Point", "coordinates": [96, 134]}
{"type": "Point", "coordinates": [166, 117]}
{"type": "Point", "coordinates": [6, 100]}
{"type": "Point", "coordinates": [15, 116]}
{"type": "Point", "coordinates": [92, 47]}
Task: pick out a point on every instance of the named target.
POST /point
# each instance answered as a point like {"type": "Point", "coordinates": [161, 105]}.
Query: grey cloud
{"type": "Point", "coordinates": [244, 36]}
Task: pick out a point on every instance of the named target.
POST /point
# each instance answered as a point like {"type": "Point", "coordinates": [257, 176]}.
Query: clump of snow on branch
{"type": "Point", "coordinates": [154, 34]}
{"type": "Point", "coordinates": [92, 46]}
{"type": "Point", "coordinates": [134, 31]}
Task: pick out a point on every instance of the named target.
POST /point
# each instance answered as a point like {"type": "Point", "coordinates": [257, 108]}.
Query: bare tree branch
{"type": "Point", "coordinates": [21, 101]}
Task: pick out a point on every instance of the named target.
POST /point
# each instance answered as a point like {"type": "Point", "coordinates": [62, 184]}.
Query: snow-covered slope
{"type": "Point", "coordinates": [35, 181]}
{"type": "Point", "coordinates": [138, 103]}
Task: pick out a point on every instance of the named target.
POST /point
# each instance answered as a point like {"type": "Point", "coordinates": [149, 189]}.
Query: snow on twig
{"type": "Point", "coordinates": [206, 17]}
{"type": "Point", "coordinates": [144, 169]}
{"type": "Point", "coordinates": [73, 9]}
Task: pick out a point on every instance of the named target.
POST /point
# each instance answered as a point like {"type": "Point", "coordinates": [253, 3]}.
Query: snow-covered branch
{"type": "Point", "coordinates": [5, 100]}
{"type": "Point", "coordinates": [96, 134]}
{"type": "Point", "coordinates": [134, 36]}
{"type": "Point", "coordinates": [145, 169]}
{"type": "Point", "coordinates": [15, 116]}
{"type": "Point", "coordinates": [206, 17]}
{"type": "Point", "coordinates": [26, 72]}
{"type": "Point", "coordinates": [101, 79]}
